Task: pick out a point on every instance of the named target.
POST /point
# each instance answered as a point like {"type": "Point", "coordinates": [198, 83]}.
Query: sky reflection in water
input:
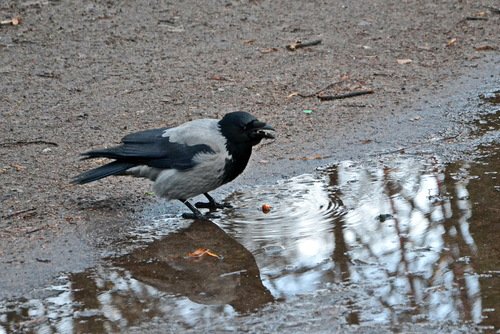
{"type": "Point", "coordinates": [394, 229]}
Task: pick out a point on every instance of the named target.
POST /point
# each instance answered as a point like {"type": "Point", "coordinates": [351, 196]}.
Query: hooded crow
{"type": "Point", "coordinates": [185, 161]}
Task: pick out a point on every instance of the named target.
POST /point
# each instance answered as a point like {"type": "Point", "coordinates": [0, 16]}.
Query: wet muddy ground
{"type": "Point", "coordinates": [395, 232]}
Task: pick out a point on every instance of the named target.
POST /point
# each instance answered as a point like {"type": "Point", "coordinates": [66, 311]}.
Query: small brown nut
{"type": "Point", "coordinates": [266, 208]}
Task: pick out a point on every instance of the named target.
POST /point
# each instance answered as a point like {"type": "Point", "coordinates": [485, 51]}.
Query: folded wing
{"type": "Point", "coordinates": [152, 148]}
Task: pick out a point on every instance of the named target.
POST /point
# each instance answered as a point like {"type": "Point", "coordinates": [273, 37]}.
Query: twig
{"type": "Point", "coordinates": [300, 44]}
{"type": "Point", "coordinates": [42, 260]}
{"type": "Point", "coordinates": [28, 142]}
{"type": "Point", "coordinates": [346, 95]}
{"type": "Point", "coordinates": [476, 18]}
{"type": "Point", "coordinates": [493, 9]}
{"type": "Point", "coordinates": [403, 149]}
{"type": "Point", "coordinates": [320, 91]}
{"type": "Point", "coordinates": [35, 230]}
{"type": "Point", "coordinates": [17, 213]}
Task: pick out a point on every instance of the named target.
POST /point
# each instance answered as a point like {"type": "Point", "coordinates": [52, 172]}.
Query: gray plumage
{"type": "Point", "coordinates": [185, 161]}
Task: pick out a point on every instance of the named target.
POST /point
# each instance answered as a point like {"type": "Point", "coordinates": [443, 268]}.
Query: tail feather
{"type": "Point", "coordinates": [112, 168]}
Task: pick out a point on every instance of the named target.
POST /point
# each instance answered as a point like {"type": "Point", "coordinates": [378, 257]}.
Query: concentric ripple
{"type": "Point", "coordinates": [300, 206]}
{"type": "Point", "coordinates": [293, 242]}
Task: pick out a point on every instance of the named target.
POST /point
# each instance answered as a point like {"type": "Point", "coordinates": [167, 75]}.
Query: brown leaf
{"type": "Point", "coordinates": [13, 21]}
{"type": "Point", "coordinates": [18, 167]}
{"type": "Point", "coordinates": [219, 78]}
{"type": "Point", "coordinates": [293, 46]}
{"type": "Point", "coordinates": [451, 42]}
{"type": "Point", "coordinates": [16, 20]}
{"type": "Point", "coordinates": [404, 61]}
{"type": "Point", "coordinates": [199, 252]}
{"type": "Point", "coordinates": [268, 50]}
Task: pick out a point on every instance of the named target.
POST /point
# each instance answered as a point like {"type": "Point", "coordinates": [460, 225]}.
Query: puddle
{"type": "Point", "coordinates": [408, 240]}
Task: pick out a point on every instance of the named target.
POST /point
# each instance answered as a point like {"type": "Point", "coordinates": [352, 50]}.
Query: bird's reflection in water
{"type": "Point", "coordinates": [232, 278]}
{"type": "Point", "coordinates": [160, 281]}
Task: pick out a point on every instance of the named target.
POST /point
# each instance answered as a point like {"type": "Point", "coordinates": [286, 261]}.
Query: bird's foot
{"type": "Point", "coordinates": [212, 205]}
{"type": "Point", "coordinates": [200, 216]}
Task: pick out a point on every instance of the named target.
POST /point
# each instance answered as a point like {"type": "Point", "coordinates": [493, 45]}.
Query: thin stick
{"type": "Point", "coordinates": [17, 213]}
{"type": "Point", "coordinates": [28, 142]}
{"type": "Point", "coordinates": [346, 95]}
{"type": "Point", "coordinates": [493, 9]}
{"type": "Point", "coordinates": [300, 44]}
{"type": "Point", "coordinates": [321, 90]}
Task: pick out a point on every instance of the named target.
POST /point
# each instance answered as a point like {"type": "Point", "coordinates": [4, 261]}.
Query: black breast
{"type": "Point", "coordinates": [240, 154]}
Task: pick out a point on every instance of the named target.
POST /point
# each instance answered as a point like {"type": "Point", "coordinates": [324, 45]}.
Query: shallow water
{"type": "Point", "coordinates": [395, 242]}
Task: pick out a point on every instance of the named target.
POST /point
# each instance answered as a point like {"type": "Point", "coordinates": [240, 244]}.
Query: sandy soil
{"type": "Point", "coordinates": [77, 75]}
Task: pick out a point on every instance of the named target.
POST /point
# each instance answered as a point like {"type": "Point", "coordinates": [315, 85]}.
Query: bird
{"type": "Point", "coordinates": [184, 161]}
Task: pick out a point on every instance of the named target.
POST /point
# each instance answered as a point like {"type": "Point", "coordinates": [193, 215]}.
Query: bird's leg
{"type": "Point", "coordinates": [212, 204]}
{"type": "Point", "coordinates": [196, 214]}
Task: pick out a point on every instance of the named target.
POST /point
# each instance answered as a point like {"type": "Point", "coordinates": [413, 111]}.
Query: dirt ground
{"type": "Point", "coordinates": [77, 75]}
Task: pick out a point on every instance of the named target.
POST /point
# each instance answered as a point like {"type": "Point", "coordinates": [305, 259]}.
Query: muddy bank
{"type": "Point", "coordinates": [80, 75]}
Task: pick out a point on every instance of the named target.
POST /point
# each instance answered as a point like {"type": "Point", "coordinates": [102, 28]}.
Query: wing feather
{"type": "Point", "coordinates": [154, 148]}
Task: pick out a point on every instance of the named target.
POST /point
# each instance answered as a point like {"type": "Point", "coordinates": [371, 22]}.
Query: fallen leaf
{"type": "Point", "coordinates": [248, 41]}
{"type": "Point", "coordinates": [198, 252]}
{"type": "Point", "coordinates": [13, 21]}
{"type": "Point", "coordinates": [268, 50]}
{"type": "Point", "coordinates": [292, 95]}
{"type": "Point", "coordinates": [451, 42]}
{"type": "Point", "coordinates": [299, 44]}
{"type": "Point", "coordinates": [18, 167]}
{"type": "Point", "coordinates": [209, 252]}
{"type": "Point", "coordinates": [403, 61]}
{"type": "Point", "coordinates": [317, 157]}
{"type": "Point", "coordinates": [219, 78]}
{"type": "Point", "coordinates": [203, 251]}
{"type": "Point", "coordinates": [294, 46]}
{"type": "Point", "coordinates": [314, 157]}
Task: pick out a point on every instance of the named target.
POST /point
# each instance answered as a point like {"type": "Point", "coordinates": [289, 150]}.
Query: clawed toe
{"type": "Point", "coordinates": [212, 206]}
{"type": "Point", "coordinates": [208, 216]}
{"type": "Point", "coordinates": [196, 214]}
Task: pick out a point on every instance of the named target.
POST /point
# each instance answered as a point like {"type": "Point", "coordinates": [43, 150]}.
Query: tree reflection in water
{"type": "Point", "coordinates": [406, 231]}
{"type": "Point", "coordinates": [398, 230]}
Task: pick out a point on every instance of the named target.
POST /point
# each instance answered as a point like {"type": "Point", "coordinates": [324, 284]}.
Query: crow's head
{"type": "Point", "coordinates": [242, 128]}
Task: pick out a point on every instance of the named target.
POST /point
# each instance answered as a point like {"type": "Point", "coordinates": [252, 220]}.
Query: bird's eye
{"type": "Point", "coordinates": [248, 126]}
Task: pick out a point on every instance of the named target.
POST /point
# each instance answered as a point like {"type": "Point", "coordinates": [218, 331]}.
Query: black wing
{"type": "Point", "coordinates": [152, 149]}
